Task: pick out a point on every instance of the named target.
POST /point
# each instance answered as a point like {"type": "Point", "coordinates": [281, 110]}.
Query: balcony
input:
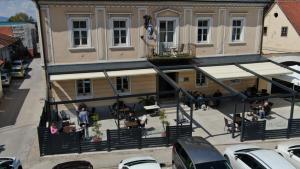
{"type": "Point", "coordinates": [171, 51]}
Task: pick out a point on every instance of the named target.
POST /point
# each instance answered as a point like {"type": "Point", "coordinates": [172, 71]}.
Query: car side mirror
{"type": "Point", "coordinates": [291, 153]}
{"type": "Point", "coordinates": [236, 156]}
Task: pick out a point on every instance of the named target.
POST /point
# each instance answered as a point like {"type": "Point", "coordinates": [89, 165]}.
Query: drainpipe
{"type": "Point", "coordinates": [262, 27]}
{"type": "Point", "coordinates": [44, 49]}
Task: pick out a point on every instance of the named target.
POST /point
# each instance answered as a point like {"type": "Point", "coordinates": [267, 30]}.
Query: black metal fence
{"type": "Point", "coordinates": [257, 130]}
{"type": "Point", "coordinates": [116, 139]}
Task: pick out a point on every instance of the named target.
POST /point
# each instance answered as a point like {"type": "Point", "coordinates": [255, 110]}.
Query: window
{"type": "Point", "coordinates": [213, 165]}
{"type": "Point", "coordinates": [200, 79]}
{"type": "Point", "coordinates": [84, 87]}
{"type": "Point", "coordinates": [237, 32]}
{"type": "Point", "coordinates": [80, 33]}
{"type": "Point", "coordinates": [123, 84]}
{"type": "Point", "coordinates": [284, 31]}
{"type": "Point", "coordinates": [265, 31]}
{"type": "Point", "coordinates": [250, 161]}
{"type": "Point", "coordinates": [235, 81]}
{"type": "Point", "coordinates": [203, 30]}
{"type": "Point", "coordinates": [184, 157]}
{"type": "Point", "coordinates": [120, 31]}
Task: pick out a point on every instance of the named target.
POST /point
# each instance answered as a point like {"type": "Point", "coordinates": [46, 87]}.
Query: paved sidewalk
{"type": "Point", "coordinates": [17, 139]}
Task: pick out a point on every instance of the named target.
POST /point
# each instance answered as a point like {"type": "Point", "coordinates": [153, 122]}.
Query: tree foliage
{"type": "Point", "coordinates": [21, 17]}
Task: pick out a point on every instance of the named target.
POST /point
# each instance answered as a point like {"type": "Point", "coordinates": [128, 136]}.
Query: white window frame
{"type": "Point", "coordinates": [82, 96]}
{"type": "Point", "coordinates": [209, 29]}
{"type": "Point", "coordinates": [88, 29]}
{"type": "Point", "coordinates": [128, 26]}
{"type": "Point", "coordinates": [199, 85]}
{"type": "Point", "coordinates": [176, 31]}
{"type": "Point", "coordinates": [129, 85]}
{"type": "Point", "coordinates": [242, 36]}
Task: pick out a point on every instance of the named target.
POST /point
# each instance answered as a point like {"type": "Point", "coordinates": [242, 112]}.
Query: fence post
{"type": "Point", "coordinates": [108, 139]}
{"type": "Point", "coordinates": [289, 128]}
{"type": "Point", "coordinates": [168, 135]}
{"type": "Point", "coordinates": [140, 137]}
{"type": "Point", "coordinates": [264, 131]}
{"type": "Point", "coordinates": [79, 142]}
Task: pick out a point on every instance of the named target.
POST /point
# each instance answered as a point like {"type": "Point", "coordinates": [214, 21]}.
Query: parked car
{"type": "Point", "coordinates": [74, 165]}
{"type": "Point", "coordinates": [197, 153]}
{"type": "Point", "coordinates": [139, 163]}
{"type": "Point", "coordinates": [17, 63]}
{"type": "Point", "coordinates": [10, 163]}
{"type": "Point", "coordinates": [18, 71]}
{"type": "Point", "coordinates": [290, 151]}
{"type": "Point", "coordinates": [250, 156]}
{"type": "Point", "coordinates": [5, 78]}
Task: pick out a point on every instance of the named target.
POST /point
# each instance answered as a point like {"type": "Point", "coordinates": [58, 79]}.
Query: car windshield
{"type": "Point", "coordinates": [3, 77]}
{"type": "Point", "coordinates": [214, 165]}
{"type": "Point", "coordinates": [16, 70]}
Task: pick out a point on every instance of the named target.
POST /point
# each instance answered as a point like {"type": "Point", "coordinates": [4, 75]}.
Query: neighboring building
{"type": "Point", "coordinates": [281, 32]}
{"type": "Point", "coordinates": [7, 45]}
{"type": "Point", "coordinates": [24, 31]}
{"type": "Point", "coordinates": [82, 39]}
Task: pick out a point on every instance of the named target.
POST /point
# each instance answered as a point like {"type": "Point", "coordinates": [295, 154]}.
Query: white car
{"type": "Point", "coordinates": [290, 151]}
{"type": "Point", "coordinates": [5, 78]}
{"type": "Point", "coordinates": [139, 163]}
{"type": "Point", "coordinates": [10, 163]}
{"type": "Point", "coordinates": [253, 157]}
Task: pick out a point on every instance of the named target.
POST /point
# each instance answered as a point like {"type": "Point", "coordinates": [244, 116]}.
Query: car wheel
{"type": "Point", "coordinates": [20, 167]}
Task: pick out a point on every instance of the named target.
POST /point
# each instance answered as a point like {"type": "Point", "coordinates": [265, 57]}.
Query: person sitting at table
{"type": "Point", "coordinates": [261, 112]}
{"type": "Point", "coordinates": [200, 103]}
{"type": "Point", "coordinates": [53, 128]}
{"type": "Point", "coordinates": [238, 120]}
{"type": "Point", "coordinates": [130, 117]}
{"type": "Point", "coordinates": [143, 121]}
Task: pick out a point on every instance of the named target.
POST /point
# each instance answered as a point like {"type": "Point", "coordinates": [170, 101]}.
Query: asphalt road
{"type": "Point", "coordinates": [20, 110]}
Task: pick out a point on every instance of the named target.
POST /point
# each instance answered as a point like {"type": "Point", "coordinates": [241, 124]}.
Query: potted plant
{"type": "Point", "coordinates": [96, 130]}
{"type": "Point", "coordinates": [147, 101]}
{"type": "Point", "coordinates": [164, 122]}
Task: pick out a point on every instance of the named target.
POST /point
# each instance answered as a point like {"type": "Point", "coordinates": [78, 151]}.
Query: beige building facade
{"type": "Point", "coordinates": [280, 35]}
{"type": "Point", "coordinates": [109, 31]}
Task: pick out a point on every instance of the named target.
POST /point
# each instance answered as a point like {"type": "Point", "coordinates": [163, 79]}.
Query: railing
{"type": "Point", "coordinates": [257, 130]}
{"type": "Point", "coordinates": [170, 50]}
{"type": "Point", "coordinates": [116, 139]}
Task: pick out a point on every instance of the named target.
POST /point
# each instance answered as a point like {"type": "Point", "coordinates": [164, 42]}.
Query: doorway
{"type": "Point", "coordinates": [166, 91]}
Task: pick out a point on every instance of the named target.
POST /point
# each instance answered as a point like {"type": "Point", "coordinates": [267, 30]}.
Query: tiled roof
{"type": "Point", "coordinates": [6, 40]}
{"type": "Point", "coordinates": [6, 31]}
{"type": "Point", "coordinates": [291, 8]}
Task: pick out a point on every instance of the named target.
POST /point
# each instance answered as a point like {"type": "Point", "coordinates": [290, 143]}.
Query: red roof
{"type": "Point", "coordinates": [6, 40]}
{"type": "Point", "coordinates": [6, 30]}
{"type": "Point", "coordinates": [291, 9]}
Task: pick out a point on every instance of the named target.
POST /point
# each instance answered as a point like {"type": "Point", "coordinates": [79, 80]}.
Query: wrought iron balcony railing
{"type": "Point", "coordinates": [170, 50]}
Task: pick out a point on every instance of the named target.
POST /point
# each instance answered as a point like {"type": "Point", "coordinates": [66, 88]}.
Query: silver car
{"type": "Point", "coordinates": [5, 78]}
{"type": "Point", "coordinates": [197, 153]}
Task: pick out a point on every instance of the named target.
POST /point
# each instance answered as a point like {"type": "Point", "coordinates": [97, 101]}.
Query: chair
{"type": "Point", "coordinates": [179, 49]}
{"type": "Point", "coordinates": [64, 116]}
{"type": "Point", "coordinates": [228, 125]}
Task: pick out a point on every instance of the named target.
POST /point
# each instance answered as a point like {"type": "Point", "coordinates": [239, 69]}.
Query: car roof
{"type": "Point", "coordinates": [271, 159]}
{"type": "Point", "coordinates": [200, 150]}
{"type": "Point", "coordinates": [146, 166]}
{"type": "Point", "coordinates": [137, 159]}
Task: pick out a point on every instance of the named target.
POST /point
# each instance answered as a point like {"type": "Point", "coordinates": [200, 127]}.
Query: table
{"type": "Point", "coordinates": [153, 108]}
{"type": "Point", "coordinates": [131, 124]}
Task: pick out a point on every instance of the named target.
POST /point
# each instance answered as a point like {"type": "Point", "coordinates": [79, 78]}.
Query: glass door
{"type": "Point", "coordinates": [166, 35]}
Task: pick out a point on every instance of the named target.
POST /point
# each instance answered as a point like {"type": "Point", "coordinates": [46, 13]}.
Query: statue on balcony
{"type": "Point", "coordinates": [148, 26]}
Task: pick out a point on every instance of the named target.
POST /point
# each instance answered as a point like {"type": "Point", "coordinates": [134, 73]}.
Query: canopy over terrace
{"type": "Point", "coordinates": [107, 70]}
{"type": "Point", "coordinates": [244, 66]}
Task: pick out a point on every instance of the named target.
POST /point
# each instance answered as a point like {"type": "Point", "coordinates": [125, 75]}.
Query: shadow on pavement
{"type": "Point", "coordinates": [2, 148]}
{"type": "Point", "coordinates": [11, 103]}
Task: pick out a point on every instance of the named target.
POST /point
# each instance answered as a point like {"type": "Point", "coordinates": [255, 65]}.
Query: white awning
{"type": "Point", "coordinates": [226, 72]}
{"type": "Point", "coordinates": [267, 68]}
{"type": "Point", "coordinates": [94, 75]}
{"type": "Point", "coordinates": [291, 78]}
{"type": "Point", "coordinates": [76, 76]}
{"type": "Point", "coordinates": [134, 72]}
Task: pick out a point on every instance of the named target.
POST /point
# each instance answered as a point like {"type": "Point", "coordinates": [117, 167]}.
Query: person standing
{"type": "Point", "coordinates": [84, 121]}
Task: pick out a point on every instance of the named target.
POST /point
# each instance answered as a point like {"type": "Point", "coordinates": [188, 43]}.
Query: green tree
{"type": "Point", "coordinates": [21, 17]}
